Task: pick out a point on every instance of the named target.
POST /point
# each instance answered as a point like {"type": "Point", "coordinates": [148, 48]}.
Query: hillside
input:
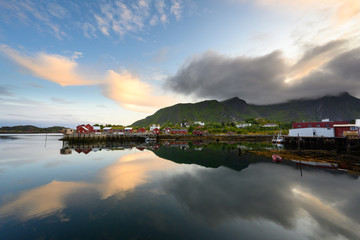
{"type": "Point", "coordinates": [342, 107]}
{"type": "Point", "coordinates": [30, 129]}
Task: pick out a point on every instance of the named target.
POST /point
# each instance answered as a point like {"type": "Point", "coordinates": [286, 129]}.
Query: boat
{"type": "Point", "coordinates": [148, 139]}
{"type": "Point", "coordinates": [317, 164]}
{"type": "Point", "coordinates": [278, 139]}
{"type": "Point", "coordinates": [276, 158]}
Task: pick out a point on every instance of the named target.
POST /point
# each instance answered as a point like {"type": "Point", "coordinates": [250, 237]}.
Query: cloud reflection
{"type": "Point", "coordinates": [216, 196]}
{"type": "Point", "coordinates": [122, 176]}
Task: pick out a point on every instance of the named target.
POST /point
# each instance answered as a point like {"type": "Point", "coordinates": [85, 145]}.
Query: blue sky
{"type": "Point", "coordinates": [72, 62]}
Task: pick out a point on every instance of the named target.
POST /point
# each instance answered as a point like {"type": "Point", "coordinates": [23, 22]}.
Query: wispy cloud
{"type": "Point", "coordinates": [61, 100]}
{"type": "Point", "coordinates": [121, 17]}
{"type": "Point", "coordinates": [176, 8]}
{"type": "Point", "coordinates": [124, 88]}
{"type": "Point", "coordinates": [5, 91]}
{"type": "Point", "coordinates": [55, 68]}
{"type": "Point", "coordinates": [114, 17]}
{"type": "Point", "coordinates": [27, 12]}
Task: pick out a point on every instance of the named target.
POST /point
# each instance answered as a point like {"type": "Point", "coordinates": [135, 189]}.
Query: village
{"type": "Point", "coordinates": [325, 128]}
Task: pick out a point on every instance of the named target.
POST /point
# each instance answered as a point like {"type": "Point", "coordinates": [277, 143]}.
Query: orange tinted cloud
{"type": "Point", "coordinates": [54, 68]}
{"type": "Point", "coordinates": [131, 93]}
{"type": "Point", "coordinates": [341, 10]}
{"type": "Point", "coordinates": [124, 88]}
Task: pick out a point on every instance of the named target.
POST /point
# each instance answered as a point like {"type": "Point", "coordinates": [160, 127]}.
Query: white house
{"type": "Point", "coordinates": [154, 126]}
{"type": "Point", "coordinates": [242, 125]}
{"type": "Point", "coordinates": [312, 132]}
{"type": "Point", "coordinates": [200, 123]}
{"type": "Point", "coordinates": [270, 125]}
{"type": "Point", "coordinates": [325, 128]}
{"type": "Point", "coordinates": [97, 129]}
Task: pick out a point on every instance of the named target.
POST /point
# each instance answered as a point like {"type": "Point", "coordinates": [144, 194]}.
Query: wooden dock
{"type": "Point", "coordinates": [325, 143]}
{"type": "Point", "coordinates": [106, 137]}
{"type": "Point", "coordinates": [138, 137]}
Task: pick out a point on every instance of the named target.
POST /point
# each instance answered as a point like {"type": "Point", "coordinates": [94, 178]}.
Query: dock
{"type": "Point", "coordinates": [324, 143]}
{"type": "Point", "coordinates": [77, 137]}
{"type": "Point", "coordinates": [139, 137]}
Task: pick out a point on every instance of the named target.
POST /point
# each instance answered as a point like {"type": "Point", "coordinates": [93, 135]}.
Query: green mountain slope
{"type": "Point", "coordinates": [342, 107]}
{"type": "Point", "coordinates": [30, 129]}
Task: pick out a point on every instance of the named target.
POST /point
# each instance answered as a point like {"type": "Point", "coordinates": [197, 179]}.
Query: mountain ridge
{"type": "Point", "coordinates": [340, 107]}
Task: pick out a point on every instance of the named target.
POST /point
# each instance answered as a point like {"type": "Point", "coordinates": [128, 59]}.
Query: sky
{"type": "Point", "coordinates": [117, 61]}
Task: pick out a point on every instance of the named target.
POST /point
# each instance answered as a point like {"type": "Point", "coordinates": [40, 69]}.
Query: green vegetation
{"type": "Point", "coordinates": [343, 107]}
{"type": "Point", "coordinates": [30, 129]}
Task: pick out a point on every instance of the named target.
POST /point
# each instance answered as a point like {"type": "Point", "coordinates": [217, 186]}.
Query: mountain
{"type": "Point", "coordinates": [341, 107]}
{"type": "Point", "coordinates": [30, 129]}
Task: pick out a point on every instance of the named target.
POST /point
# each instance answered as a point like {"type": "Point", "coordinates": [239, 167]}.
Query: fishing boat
{"type": "Point", "coordinates": [276, 158]}
{"type": "Point", "coordinates": [278, 139]}
{"type": "Point", "coordinates": [317, 164]}
{"type": "Point", "coordinates": [148, 139]}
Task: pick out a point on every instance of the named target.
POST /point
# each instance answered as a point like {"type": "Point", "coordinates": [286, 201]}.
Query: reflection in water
{"type": "Point", "coordinates": [181, 191]}
{"type": "Point", "coordinates": [41, 201]}
{"type": "Point", "coordinates": [273, 195]}
{"type": "Point", "coordinates": [118, 178]}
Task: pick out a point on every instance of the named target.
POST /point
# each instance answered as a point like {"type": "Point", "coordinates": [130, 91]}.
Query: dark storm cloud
{"type": "Point", "coordinates": [218, 76]}
{"type": "Point", "coordinates": [322, 70]}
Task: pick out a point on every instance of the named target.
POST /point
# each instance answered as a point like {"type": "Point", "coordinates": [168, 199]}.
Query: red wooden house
{"type": "Point", "coordinates": [141, 130]}
{"type": "Point", "coordinates": [198, 132]}
{"type": "Point", "coordinates": [179, 131]}
{"type": "Point", "coordinates": [167, 130]}
{"type": "Point", "coordinates": [343, 130]}
{"type": "Point", "coordinates": [156, 131]}
{"type": "Point", "coordinates": [323, 124]}
{"type": "Point", "coordinates": [84, 129]}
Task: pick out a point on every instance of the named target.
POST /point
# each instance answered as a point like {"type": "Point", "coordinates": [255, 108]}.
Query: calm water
{"type": "Point", "coordinates": [168, 192]}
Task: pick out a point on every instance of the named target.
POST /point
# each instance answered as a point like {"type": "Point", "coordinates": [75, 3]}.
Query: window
{"type": "Point", "coordinates": [299, 125]}
{"type": "Point", "coordinates": [309, 125]}
{"type": "Point", "coordinates": [327, 125]}
{"type": "Point", "coordinates": [353, 128]}
{"type": "Point", "coordinates": [317, 125]}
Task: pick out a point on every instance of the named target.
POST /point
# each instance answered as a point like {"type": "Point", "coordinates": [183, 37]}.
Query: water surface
{"type": "Point", "coordinates": [172, 191]}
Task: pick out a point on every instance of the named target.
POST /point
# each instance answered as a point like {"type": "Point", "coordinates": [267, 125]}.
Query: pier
{"type": "Point", "coordinates": [77, 137]}
{"type": "Point", "coordinates": [324, 143]}
{"type": "Point", "coordinates": [139, 137]}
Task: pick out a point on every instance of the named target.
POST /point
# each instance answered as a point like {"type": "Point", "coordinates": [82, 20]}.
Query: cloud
{"type": "Point", "coordinates": [161, 55]}
{"type": "Point", "coordinates": [124, 88]}
{"type": "Point", "coordinates": [4, 91]}
{"type": "Point", "coordinates": [133, 94]}
{"type": "Point", "coordinates": [212, 75]}
{"type": "Point", "coordinates": [176, 8]}
{"type": "Point", "coordinates": [341, 10]}
{"type": "Point", "coordinates": [27, 11]}
{"type": "Point", "coordinates": [61, 100]}
{"type": "Point", "coordinates": [327, 69]}
{"type": "Point", "coordinates": [122, 18]}
{"type": "Point", "coordinates": [55, 68]}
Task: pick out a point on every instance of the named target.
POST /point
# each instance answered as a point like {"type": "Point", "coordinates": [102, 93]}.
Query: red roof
{"type": "Point", "coordinates": [329, 124]}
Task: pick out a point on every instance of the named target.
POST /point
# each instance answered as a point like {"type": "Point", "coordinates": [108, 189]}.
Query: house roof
{"type": "Point", "coordinates": [344, 125]}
